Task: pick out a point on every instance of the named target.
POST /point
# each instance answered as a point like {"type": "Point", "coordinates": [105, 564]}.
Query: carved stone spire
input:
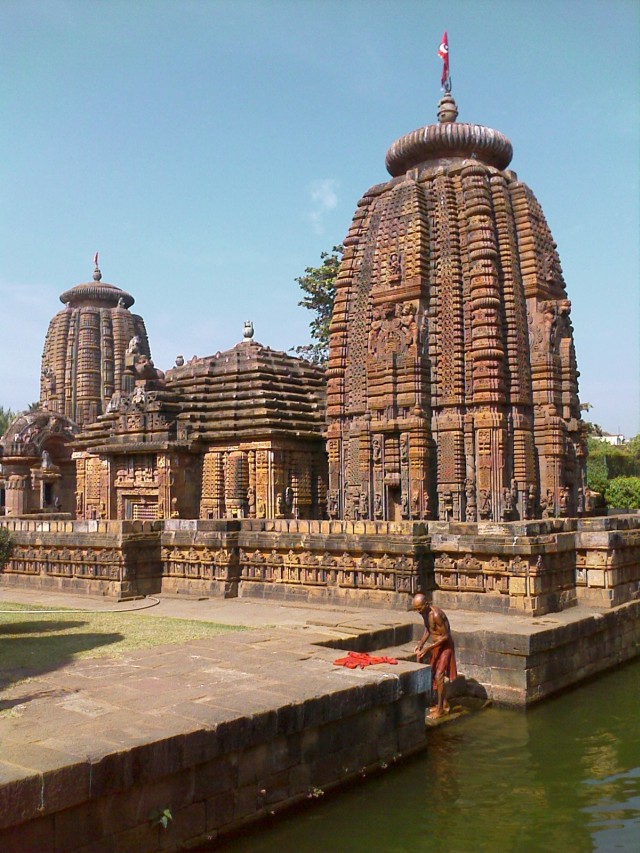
{"type": "Point", "coordinates": [452, 380]}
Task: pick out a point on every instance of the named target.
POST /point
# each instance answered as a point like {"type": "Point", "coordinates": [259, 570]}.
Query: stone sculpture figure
{"type": "Point", "coordinates": [485, 504]}
{"type": "Point", "coordinates": [548, 505]}
{"type": "Point", "coordinates": [133, 347]}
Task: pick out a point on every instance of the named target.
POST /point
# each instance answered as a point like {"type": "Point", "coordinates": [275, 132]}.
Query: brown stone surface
{"type": "Point", "coordinates": [452, 388]}
{"type": "Point", "coordinates": [101, 746]}
{"type": "Point", "coordinates": [532, 567]}
{"type": "Point", "coordinates": [450, 422]}
{"type": "Point", "coordinates": [234, 435]}
{"type": "Point", "coordinates": [253, 721]}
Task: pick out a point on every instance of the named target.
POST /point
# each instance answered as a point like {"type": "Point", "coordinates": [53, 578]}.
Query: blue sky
{"type": "Point", "coordinates": [210, 150]}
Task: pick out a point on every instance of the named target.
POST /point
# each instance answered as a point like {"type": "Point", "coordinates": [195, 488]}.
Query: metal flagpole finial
{"type": "Point", "coordinates": [443, 53]}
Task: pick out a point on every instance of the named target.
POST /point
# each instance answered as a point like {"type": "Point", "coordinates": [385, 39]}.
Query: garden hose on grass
{"type": "Point", "coordinates": [154, 602]}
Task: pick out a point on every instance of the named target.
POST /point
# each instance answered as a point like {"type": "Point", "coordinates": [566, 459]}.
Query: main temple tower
{"type": "Point", "coordinates": [453, 389]}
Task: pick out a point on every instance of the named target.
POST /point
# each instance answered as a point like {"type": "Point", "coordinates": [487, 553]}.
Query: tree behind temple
{"type": "Point", "coordinates": [6, 416]}
{"type": "Point", "coordinates": [319, 286]}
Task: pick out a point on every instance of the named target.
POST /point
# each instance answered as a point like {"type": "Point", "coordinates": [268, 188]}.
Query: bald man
{"type": "Point", "coordinates": [441, 650]}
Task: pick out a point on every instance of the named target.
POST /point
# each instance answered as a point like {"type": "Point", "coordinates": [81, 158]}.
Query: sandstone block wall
{"type": "Point", "coordinates": [519, 668]}
{"type": "Point", "coordinates": [214, 779]}
{"type": "Point", "coordinates": [525, 567]}
{"type": "Point", "coordinates": [119, 559]}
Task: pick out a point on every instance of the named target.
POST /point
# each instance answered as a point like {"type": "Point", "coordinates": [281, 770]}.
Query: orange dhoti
{"type": "Point", "coordinates": [443, 662]}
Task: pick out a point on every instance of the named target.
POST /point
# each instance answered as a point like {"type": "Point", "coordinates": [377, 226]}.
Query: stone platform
{"type": "Point", "coordinates": [226, 730]}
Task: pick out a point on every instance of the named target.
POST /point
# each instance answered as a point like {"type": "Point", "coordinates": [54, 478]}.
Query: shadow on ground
{"type": "Point", "coordinates": [29, 656]}
{"type": "Point", "coordinates": [37, 626]}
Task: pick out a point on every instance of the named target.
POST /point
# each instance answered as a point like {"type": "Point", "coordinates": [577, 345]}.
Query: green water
{"type": "Point", "coordinates": [564, 776]}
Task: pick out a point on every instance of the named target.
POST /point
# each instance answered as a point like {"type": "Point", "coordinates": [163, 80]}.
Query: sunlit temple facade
{"type": "Point", "coordinates": [452, 379]}
{"type": "Point", "coordinates": [441, 450]}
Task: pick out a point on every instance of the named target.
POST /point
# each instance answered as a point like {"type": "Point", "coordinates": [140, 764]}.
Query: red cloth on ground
{"type": "Point", "coordinates": [361, 659]}
{"type": "Point", "coordinates": [443, 661]}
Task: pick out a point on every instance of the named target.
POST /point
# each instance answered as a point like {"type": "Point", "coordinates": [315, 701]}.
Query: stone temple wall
{"type": "Point", "coordinates": [119, 559]}
{"type": "Point", "coordinates": [511, 567]}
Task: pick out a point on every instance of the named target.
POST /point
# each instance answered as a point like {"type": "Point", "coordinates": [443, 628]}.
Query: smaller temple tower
{"type": "Point", "coordinates": [94, 348]}
{"type": "Point", "coordinates": [85, 349]}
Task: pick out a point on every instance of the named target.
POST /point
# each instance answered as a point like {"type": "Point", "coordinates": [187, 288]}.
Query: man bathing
{"type": "Point", "coordinates": [441, 650]}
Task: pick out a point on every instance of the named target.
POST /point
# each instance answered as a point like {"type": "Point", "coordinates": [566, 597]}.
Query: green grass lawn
{"type": "Point", "coordinates": [31, 643]}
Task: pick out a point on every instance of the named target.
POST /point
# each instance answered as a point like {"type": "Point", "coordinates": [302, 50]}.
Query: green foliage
{"type": "Point", "coordinates": [161, 817]}
{"type": "Point", "coordinates": [632, 447]}
{"type": "Point", "coordinates": [6, 546]}
{"type": "Point", "coordinates": [623, 493]}
{"type": "Point", "coordinates": [608, 464]}
{"type": "Point", "coordinates": [6, 416]}
{"type": "Point", "coordinates": [593, 429]}
{"type": "Point", "coordinates": [319, 286]}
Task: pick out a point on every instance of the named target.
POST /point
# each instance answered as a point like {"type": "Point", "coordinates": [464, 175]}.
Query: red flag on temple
{"type": "Point", "coordinates": [443, 53]}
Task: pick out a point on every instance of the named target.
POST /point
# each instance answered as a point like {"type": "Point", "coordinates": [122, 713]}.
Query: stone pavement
{"type": "Point", "coordinates": [92, 731]}
{"type": "Point", "coordinates": [95, 725]}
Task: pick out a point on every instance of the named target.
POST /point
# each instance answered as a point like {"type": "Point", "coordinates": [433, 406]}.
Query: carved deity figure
{"type": "Point", "coordinates": [364, 505]}
{"type": "Point", "coordinates": [251, 501]}
{"type": "Point", "coordinates": [470, 494]}
{"type": "Point", "coordinates": [408, 322]}
{"type": "Point", "coordinates": [139, 397]}
{"type": "Point", "coordinates": [395, 269]}
{"type": "Point", "coordinates": [550, 319]}
{"type": "Point", "coordinates": [376, 445]}
{"type": "Point", "coordinates": [50, 379]}
{"type": "Point", "coordinates": [563, 501]}
{"type": "Point", "coordinates": [377, 505]}
{"type": "Point", "coordinates": [548, 505]}
{"type": "Point", "coordinates": [114, 403]}
{"type": "Point", "coordinates": [288, 497]}
{"type": "Point", "coordinates": [446, 506]}
{"type": "Point", "coordinates": [485, 504]}
{"type": "Point", "coordinates": [507, 504]}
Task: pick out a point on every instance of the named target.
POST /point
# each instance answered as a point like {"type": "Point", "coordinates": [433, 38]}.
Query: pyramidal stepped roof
{"type": "Point", "coordinates": [249, 390]}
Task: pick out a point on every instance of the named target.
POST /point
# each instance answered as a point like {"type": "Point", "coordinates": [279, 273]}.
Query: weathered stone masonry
{"type": "Point", "coordinates": [534, 567]}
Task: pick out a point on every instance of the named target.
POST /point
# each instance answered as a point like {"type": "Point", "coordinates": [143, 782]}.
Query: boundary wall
{"type": "Point", "coordinates": [533, 568]}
